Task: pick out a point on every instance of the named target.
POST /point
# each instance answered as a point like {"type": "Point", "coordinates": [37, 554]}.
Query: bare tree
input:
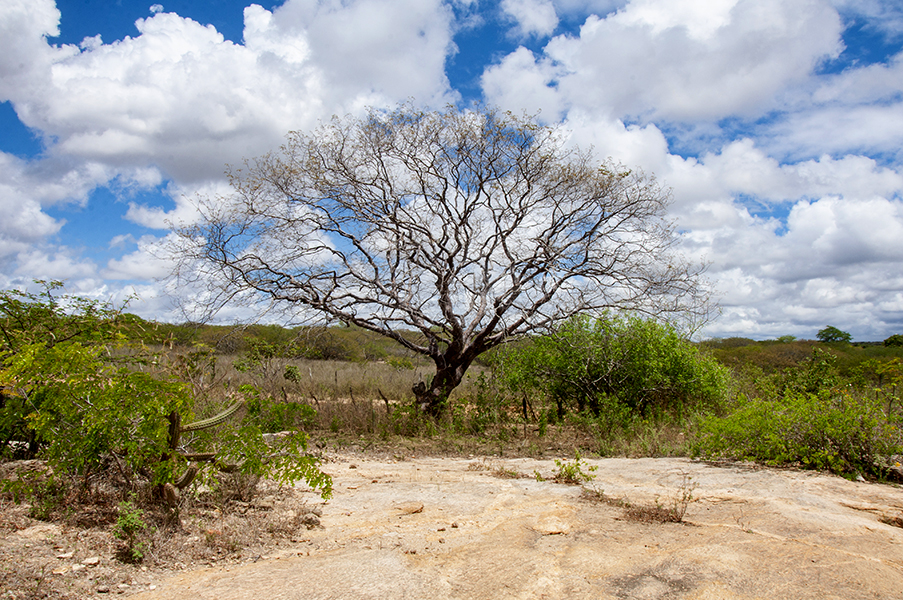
{"type": "Point", "coordinates": [472, 227]}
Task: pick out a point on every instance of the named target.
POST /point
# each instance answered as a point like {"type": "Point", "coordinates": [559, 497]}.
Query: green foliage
{"type": "Point", "coordinates": [895, 341]}
{"type": "Point", "coordinates": [813, 419]}
{"type": "Point", "coordinates": [284, 459]}
{"type": "Point", "coordinates": [47, 318]}
{"type": "Point", "coordinates": [83, 401]}
{"type": "Point", "coordinates": [484, 407]}
{"type": "Point", "coordinates": [272, 416]}
{"type": "Point", "coordinates": [83, 409]}
{"type": "Point", "coordinates": [616, 369]}
{"type": "Point", "coordinates": [129, 526]}
{"type": "Point", "coordinates": [572, 472]}
{"type": "Point", "coordinates": [70, 398]}
{"type": "Point", "coordinates": [842, 433]}
{"type": "Point", "coordinates": [833, 334]}
{"type": "Point", "coordinates": [292, 373]}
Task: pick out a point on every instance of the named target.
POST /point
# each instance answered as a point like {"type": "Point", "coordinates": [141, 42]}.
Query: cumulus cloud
{"type": "Point", "coordinates": [532, 17]}
{"type": "Point", "coordinates": [177, 102]}
{"type": "Point", "coordinates": [54, 264]}
{"type": "Point", "coordinates": [180, 96]}
{"type": "Point", "coordinates": [686, 61]}
{"type": "Point", "coordinates": [777, 235]}
{"type": "Point", "coordinates": [144, 264]}
{"type": "Point", "coordinates": [786, 178]}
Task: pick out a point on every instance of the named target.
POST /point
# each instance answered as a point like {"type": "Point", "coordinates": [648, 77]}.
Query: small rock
{"type": "Point", "coordinates": [409, 508]}
{"type": "Point", "coordinates": [103, 590]}
{"type": "Point", "coordinates": [60, 570]}
{"type": "Point", "coordinates": [40, 532]}
{"type": "Point", "coordinates": [66, 555]}
{"type": "Point", "coordinates": [454, 525]}
{"type": "Point", "coordinates": [92, 561]}
{"type": "Point", "coordinates": [352, 466]}
{"type": "Point", "coordinates": [310, 520]}
{"type": "Point", "coordinates": [551, 526]}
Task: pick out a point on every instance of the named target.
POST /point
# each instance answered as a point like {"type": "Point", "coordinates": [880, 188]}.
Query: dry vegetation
{"type": "Point", "coordinates": [349, 406]}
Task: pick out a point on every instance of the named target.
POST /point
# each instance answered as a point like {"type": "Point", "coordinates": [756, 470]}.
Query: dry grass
{"type": "Point", "coordinates": [673, 511]}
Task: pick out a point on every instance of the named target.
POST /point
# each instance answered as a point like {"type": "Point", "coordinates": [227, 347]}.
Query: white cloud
{"type": "Point", "coordinates": [800, 217]}
{"type": "Point", "coordinates": [185, 211]}
{"type": "Point", "coordinates": [659, 60]}
{"type": "Point", "coordinates": [532, 17]}
{"type": "Point", "coordinates": [178, 102]}
{"type": "Point", "coordinates": [182, 98]}
{"type": "Point", "coordinates": [829, 260]}
{"type": "Point", "coordinates": [519, 82]}
{"type": "Point", "coordinates": [144, 264]}
{"type": "Point", "coordinates": [56, 264]}
{"type": "Point", "coordinates": [26, 189]}
{"type": "Point", "coordinates": [882, 15]}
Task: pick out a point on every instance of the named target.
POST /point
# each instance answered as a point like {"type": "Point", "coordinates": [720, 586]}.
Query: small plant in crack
{"type": "Point", "coordinates": [572, 472]}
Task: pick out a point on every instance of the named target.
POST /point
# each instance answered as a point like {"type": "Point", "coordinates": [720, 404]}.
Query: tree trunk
{"type": "Point", "coordinates": [433, 400]}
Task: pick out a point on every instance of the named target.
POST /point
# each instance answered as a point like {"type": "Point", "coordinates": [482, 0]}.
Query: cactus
{"type": "Point", "coordinates": [213, 421]}
{"type": "Point", "coordinates": [171, 490]}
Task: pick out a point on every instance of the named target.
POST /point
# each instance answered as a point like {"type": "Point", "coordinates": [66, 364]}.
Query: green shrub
{"type": "Point", "coordinates": [129, 526]}
{"type": "Point", "coordinates": [82, 401]}
{"type": "Point", "coordinates": [837, 431]}
{"type": "Point", "coordinates": [572, 472]}
{"type": "Point", "coordinates": [617, 368]}
{"type": "Point", "coordinates": [272, 416]}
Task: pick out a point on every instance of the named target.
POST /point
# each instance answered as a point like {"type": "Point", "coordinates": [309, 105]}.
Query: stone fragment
{"type": "Point", "coordinates": [409, 508]}
{"type": "Point", "coordinates": [551, 526]}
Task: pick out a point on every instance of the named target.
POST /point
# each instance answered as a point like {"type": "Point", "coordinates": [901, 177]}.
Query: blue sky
{"type": "Point", "coordinates": [777, 125]}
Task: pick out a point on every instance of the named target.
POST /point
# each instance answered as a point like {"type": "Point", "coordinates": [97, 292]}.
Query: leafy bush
{"type": "Point", "coordinates": [129, 526]}
{"type": "Point", "coordinates": [840, 432]}
{"type": "Point", "coordinates": [617, 369]}
{"type": "Point", "coordinates": [572, 472]}
{"type": "Point", "coordinates": [273, 416]}
{"type": "Point", "coordinates": [88, 405]}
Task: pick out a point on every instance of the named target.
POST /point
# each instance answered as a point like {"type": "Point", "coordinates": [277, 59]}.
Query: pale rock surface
{"type": "Point", "coordinates": [752, 533]}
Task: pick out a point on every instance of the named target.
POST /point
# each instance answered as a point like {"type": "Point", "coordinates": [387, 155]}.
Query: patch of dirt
{"type": "Point", "coordinates": [471, 528]}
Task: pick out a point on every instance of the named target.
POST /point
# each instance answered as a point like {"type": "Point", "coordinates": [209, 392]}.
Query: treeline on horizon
{"type": "Point", "coordinates": [354, 344]}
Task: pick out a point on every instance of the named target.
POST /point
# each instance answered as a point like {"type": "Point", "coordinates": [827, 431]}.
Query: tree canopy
{"type": "Point", "coordinates": [833, 334]}
{"type": "Point", "coordinates": [470, 227]}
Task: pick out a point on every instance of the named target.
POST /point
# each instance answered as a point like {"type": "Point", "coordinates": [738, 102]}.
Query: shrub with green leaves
{"type": "Point", "coordinates": [78, 399]}
{"type": "Point", "coordinates": [811, 417]}
{"type": "Point", "coordinates": [616, 368]}
{"type": "Point", "coordinates": [129, 526]}
{"type": "Point", "coordinates": [841, 432]}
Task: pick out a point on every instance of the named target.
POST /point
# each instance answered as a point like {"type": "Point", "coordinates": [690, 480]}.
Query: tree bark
{"type": "Point", "coordinates": [433, 399]}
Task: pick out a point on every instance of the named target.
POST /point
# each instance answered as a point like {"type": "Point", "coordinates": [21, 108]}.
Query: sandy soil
{"type": "Point", "coordinates": [456, 528]}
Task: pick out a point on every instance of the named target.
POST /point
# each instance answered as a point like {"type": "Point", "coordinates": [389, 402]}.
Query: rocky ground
{"type": "Point", "coordinates": [489, 528]}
